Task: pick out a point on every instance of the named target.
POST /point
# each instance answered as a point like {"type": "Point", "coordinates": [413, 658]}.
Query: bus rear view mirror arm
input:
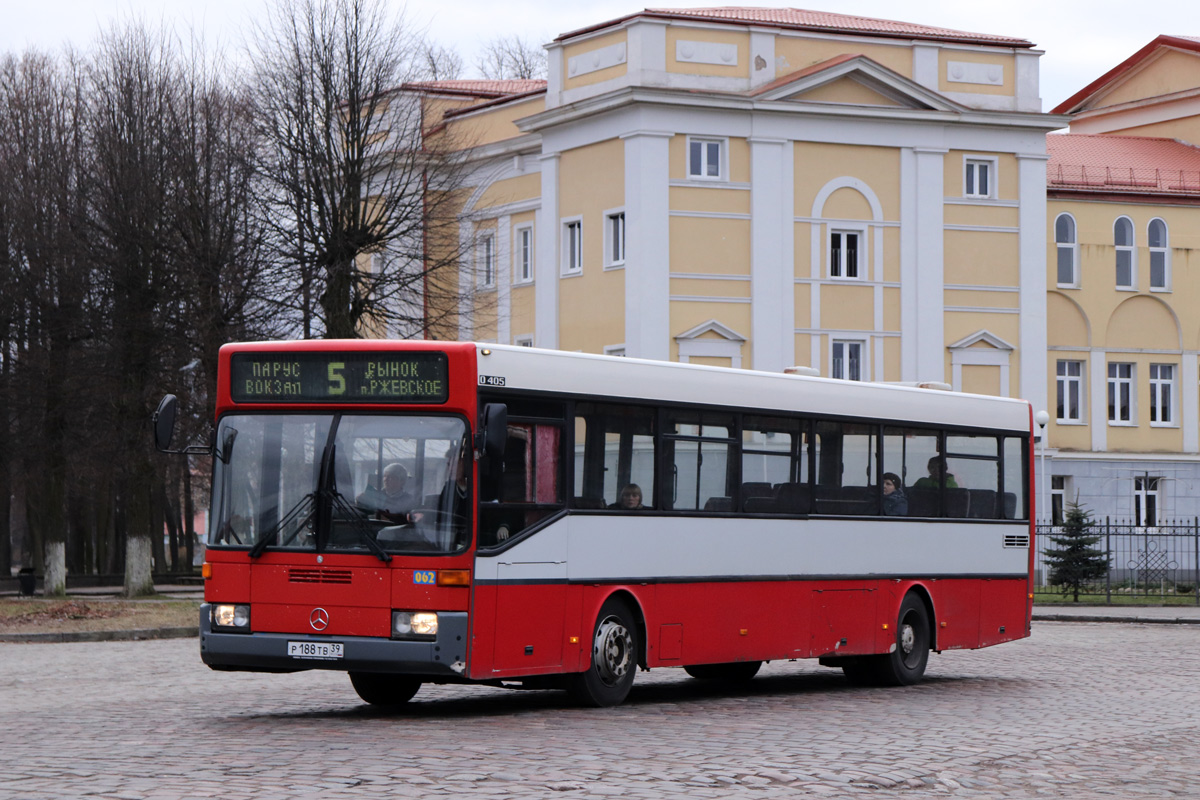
{"type": "Point", "coordinates": [163, 420]}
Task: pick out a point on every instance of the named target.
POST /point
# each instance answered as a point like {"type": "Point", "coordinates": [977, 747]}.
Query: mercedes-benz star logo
{"type": "Point", "coordinates": [319, 619]}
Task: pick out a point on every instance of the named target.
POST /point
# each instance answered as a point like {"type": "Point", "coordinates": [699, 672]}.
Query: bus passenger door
{"type": "Point", "coordinates": [530, 604]}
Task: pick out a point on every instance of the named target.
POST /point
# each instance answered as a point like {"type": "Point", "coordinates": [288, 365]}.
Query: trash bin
{"type": "Point", "coordinates": [26, 580]}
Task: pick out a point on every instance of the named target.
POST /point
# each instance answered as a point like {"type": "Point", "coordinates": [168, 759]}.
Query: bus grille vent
{"type": "Point", "coordinates": [318, 575]}
{"type": "Point", "coordinates": [1016, 540]}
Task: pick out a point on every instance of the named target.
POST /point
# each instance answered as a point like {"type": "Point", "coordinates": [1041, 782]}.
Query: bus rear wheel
{"type": "Point", "coordinates": [382, 689]}
{"type": "Point", "coordinates": [733, 672]}
{"type": "Point", "coordinates": [614, 658]}
{"type": "Point", "coordinates": [905, 665]}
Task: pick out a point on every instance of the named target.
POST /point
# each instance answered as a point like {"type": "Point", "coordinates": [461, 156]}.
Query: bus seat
{"type": "Point", "coordinates": [983, 504]}
{"type": "Point", "coordinates": [958, 502]}
{"type": "Point", "coordinates": [1010, 505]}
{"type": "Point", "coordinates": [793, 498]}
{"type": "Point", "coordinates": [922, 502]}
{"type": "Point", "coordinates": [587, 502]}
{"type": "Point", "coordinates": [718, 504]}
{"type": "Point", "coordinates": [759, 505]}
{"type": "Point", "coordinates": [757, 489]}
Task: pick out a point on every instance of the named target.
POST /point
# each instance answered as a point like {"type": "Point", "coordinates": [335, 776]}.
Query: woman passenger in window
{"type": "Point", "coordinates": [629, 499]}
{"type": "Point", "coordinates": [895, 503]}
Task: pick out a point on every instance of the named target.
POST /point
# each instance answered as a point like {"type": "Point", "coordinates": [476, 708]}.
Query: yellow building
{"type": "Point", "coordinates": [769, 187]}
{"type": "Point", "coordinates": [1123, 306]}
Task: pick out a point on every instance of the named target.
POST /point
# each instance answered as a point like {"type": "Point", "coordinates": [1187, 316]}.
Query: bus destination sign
{"type": "Point", "coordinates": [363, 377]}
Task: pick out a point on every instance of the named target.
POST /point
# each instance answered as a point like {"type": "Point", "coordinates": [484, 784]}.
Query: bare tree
{"type": "Point", "coordinates": [512, 58]}
{"type": "Point", "coordinates": [362, 197]}
{"type": "Point", "coordinates": [439, 63]}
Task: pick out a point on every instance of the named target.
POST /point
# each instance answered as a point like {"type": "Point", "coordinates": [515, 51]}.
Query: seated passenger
{"type": "Point", "coordinates": [629, 499]}
{"type": "Point", "coordinates": [391, 503]}
{"type": "Point", "coordinates": [895, 504]}
{"type": "Point", "coordinates": [937, 470]}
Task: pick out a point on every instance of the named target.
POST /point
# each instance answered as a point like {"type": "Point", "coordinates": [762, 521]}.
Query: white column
{"type": "Point", "coordinates": [922, 265]}
{"type": "Point", "coordinates": [504, 280]}
{"type": "Point", "coordinates": [1098, 406]}
{"type": "Point", "coordinates": [772, 242]}
{"type": "Point", "coordinates": [1189, 402]}
{"type": "Point", "coordinates": [647, 245]}
{"type": "Point", "coordinates": [1032, 221]}
{"type": "Point", "coordinates": [545, 264]}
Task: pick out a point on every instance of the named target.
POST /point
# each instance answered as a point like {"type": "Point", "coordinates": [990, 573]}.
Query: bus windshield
{"type": "Point", "coordinates": [341, 482]}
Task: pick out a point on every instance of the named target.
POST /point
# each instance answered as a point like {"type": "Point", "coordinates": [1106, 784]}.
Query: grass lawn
{"type": "Point", "coordinates": [73, 614]}
{"type": "Point", "coordinates": [1055, 597]}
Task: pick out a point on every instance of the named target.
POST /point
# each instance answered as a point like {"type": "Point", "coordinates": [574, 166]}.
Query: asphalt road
{"type": "Point", "coordinates": [1079, 710]}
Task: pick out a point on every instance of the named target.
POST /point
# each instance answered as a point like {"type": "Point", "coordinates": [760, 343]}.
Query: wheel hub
{"type": "Point", "coordinates": [612, 650]}
{"type": "Point", "coordinates": [908, 638]}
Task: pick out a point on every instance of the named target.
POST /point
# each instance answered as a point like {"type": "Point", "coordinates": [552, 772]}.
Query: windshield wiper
{"type": "Point", "coordinates": [356, 519]}
{"type": "Point", "coordinates": [306, 506]}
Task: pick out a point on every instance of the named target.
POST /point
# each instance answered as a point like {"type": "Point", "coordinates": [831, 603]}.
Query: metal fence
{"type": "Point", "coordinates": [1148, 563]}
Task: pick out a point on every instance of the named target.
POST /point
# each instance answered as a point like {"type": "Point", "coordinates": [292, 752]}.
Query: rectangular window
{"type": "Point", "coordinates": [906, 455]}
{"type": "Point", "coordinates": [698, 449]}
{"type": "Point", "coordinates": [1058, 496]}
{"type": "Point", "coordinates": [978, 178]}
{"type": "Point", "coordinates": [614, 456]}
{"type": "Point", "coordinates": [1158, 269]}
{"type": "Point", "coordinates": [573, 247]}
{"type": "Point", "coordinates": [704, 159]}
{"type": "Point", "coordinates": [1125, 268]}
{"type": "Point", "coordinates": [847, 469]}
{"type": "Point", "coordinates": [843, 254]}
{"type": "Point", "coordinates": [1120, 394]}
{"type": "Point", "coordinates": [846, 360]}
{"type": "Point", "coordinates": [1145, 501]}
{"type": "Point", "coordinates": [1070, 391]}
{"type": "Point", "coordinates": [524, 255]}
{"type": "Point", "coordinates": [487, 261]}
{"type": "Point", "coordinates": [615, 239]}
{"type": "Point", "coordinates": [1162, 394]}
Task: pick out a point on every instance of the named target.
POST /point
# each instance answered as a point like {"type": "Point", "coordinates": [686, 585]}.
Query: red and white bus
{"type": "Point", "coordinates": [433, 512]}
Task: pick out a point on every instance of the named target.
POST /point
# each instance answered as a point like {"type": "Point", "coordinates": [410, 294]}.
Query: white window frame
{"type": "Point", "coordinates": [525, 340]}
{"type": "Point", "coordinates": [1131, 250]}
{"type": "Point", "coordinates": [614, 238]}
{"type": "Point", "coordinates": [1072, 246]}
{"type": "Point", "coordinates": [1164, 251]}
{"type": "Point", "coordinates": [571, 262]}
{"type": "Point", "coordinates": [486, 253]}
{"type": "Point", "coordinates": [722, 151]}
{"type": "Point", "coordinates": [615, 350]}
{"type": "Point", "coordinates": [523, 253]}
{"type": "Point", "coordinates": [1060, 487]}
{"type": "Point", "coordinates": [1145, 488]}
{"type": "Point", "coordinates": [1116, 383]}
{"type": "Point", "coordinates": [991, 165]}
{"type": "Point", "coordinates": [837, 266]}
{"type": "Point", "coordinates": [847, 344]}
{"type": "Point", "coordinates": [1064, 382]}
{"type": "Point", "coordinates": [1163, 396]}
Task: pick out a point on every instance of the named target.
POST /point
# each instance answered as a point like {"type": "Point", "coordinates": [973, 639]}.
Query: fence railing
{"type": "Point", "coordinates": [1145, 564]}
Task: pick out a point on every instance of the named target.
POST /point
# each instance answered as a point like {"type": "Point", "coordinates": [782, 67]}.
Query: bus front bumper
{"type": "Point", "coordinates": [442, 658]}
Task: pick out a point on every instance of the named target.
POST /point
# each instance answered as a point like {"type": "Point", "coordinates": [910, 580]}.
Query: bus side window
{"type": "Point", "coordinates": [530, 486]}
{"type": "Point", "coordinates": [698, 460]}
{"type": "Point", "coordinates": [614, 449]}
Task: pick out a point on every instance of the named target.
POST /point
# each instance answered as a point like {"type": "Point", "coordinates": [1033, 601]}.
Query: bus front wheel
{"type": "Point", "coordinates": [382, 689]}
{"type": "Point", "coordinates": [905, 665]}
{"type": "Point", "coordinates": [614, 658]}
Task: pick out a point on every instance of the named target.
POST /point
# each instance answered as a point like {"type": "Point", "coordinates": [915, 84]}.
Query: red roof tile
{"type": "Point", "coordinates": [1122, 164]}
{"type": "Point", "coordinates": [479, 88]}
{"type": "Point", "coordinates": [822, 21]}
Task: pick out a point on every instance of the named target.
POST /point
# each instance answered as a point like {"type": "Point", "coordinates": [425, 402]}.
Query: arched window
{"type": "Point", "coordinates": [1068, 248]}
{"type": "Point", "coordinates": [1160, 255]}
{"type": "Point", "coordinates": [1123, 242]}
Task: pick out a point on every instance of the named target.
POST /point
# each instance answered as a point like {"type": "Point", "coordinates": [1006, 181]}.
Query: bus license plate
{"type": "Point", "coordinates": [325, 650]}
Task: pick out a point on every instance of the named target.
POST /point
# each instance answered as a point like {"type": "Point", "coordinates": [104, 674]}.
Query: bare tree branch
{"type": "Point", "coordinates": [512, 58]}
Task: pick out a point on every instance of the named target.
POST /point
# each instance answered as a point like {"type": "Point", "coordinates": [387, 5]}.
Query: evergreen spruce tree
{"type": "Point", "coordinates": [1076, 560]}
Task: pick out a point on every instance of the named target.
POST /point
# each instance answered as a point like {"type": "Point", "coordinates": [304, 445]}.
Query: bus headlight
{"type": "Point", "coordinates": [414, 624]}
{"type": "Point", "coordinates": [228, 615]}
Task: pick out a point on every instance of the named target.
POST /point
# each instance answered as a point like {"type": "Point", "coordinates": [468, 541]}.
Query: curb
{"type": "Point", "coordinates": [100, 636]}
{"type": "Point", "coordinates": [1106, 618]}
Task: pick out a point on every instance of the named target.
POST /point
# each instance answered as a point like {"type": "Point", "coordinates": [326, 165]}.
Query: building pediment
{"type": "Point", "coordinates": [982, 339]}
{"type": "Point", "coordinates": [853, 80]}
{"type": "Point", "coordinates": [1167, 67]}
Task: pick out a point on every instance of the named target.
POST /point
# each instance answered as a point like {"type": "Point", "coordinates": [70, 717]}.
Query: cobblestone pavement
{"type": "Point", "coordinates": [1080, 710]}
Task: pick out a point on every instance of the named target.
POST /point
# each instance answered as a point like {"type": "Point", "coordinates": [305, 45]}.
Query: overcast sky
{"type": "Point", "coordinates": [1081, 39]}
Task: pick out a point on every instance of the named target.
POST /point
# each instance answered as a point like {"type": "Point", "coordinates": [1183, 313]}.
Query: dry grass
{"type": "Point", "coordinates": [39, 615]}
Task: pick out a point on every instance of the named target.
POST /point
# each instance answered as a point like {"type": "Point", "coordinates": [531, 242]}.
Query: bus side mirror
{"type": "Point", "coordinates": [495, 431]}
{"type": "Point", "coordinates": [164, 422]}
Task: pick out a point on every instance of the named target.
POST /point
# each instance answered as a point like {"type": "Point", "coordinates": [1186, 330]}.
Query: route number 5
{"type": "Point", "coordinates": [337, 384]}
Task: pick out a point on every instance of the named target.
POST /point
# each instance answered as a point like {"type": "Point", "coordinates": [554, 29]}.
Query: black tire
{"type": "Point", "coordinates": [382, 689]}
{"type": "Point", "coordinates": [614, 658]}
{"type": "Point", "coordinates": [905, 665]}
{"type": "Point", "coordinates": [733, 672]}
